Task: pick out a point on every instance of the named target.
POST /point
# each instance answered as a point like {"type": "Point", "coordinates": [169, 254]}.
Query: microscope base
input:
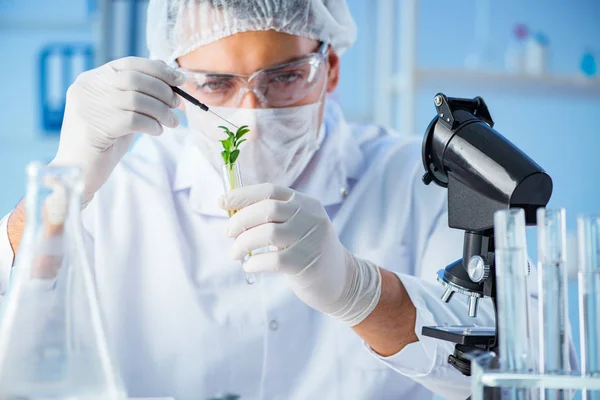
{"type": "Point", "coordinates": [468, 339]}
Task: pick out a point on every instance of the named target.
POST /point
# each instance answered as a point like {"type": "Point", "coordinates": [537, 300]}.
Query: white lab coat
{"type": "Point", "coordinates": [183, 322]}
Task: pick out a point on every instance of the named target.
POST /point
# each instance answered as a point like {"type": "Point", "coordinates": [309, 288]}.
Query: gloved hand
{"type": "Point", "coordinates": [106, 106]}
{"type": "Point", "coordinates": [322, 273]}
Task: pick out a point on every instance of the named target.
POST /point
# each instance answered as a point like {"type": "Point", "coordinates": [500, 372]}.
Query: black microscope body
{"type": "Point", "coordinates": [483, 173]}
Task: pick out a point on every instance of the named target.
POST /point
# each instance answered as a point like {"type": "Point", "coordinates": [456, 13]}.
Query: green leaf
{"type": "Point", "coordinates": [234, 155]}
{"type": "Point", "coordinates": [227, 144]}
{"type": "Point", "coordinates": [225, 155]}
{"type": "Point", "coordinates": [230, 154]}
{"type": "Point", "coordinates": [227, 131]}
{"type": "Point", "coordinates": [242, 131]}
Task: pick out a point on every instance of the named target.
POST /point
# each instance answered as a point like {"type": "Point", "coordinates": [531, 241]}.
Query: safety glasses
{"type": "Point", "coordinates": [278, 86]}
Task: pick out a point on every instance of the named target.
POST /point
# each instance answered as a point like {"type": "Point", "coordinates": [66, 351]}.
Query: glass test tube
{"type": "Point", "coordinates": [553, 306]}
{"type": "Point", "coordinates": [232, 179]}
{"type": "Point", "coordinates": [588, 238]}
{"type": "Point", "coordinates": [512, 296]}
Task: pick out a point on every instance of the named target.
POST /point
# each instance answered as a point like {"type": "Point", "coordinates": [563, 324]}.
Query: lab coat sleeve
{"type": "Point", "coordinates": [426, 361]}
{"type": "Point", "coordinates": [6, 256]}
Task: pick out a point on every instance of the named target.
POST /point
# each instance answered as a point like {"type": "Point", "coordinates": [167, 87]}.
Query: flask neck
{"type": "Point", "coordinates": [52, 219]}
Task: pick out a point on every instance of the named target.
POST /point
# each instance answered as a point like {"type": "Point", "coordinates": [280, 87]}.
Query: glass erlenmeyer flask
{"type": "Point", "coordinates": [52, 342]}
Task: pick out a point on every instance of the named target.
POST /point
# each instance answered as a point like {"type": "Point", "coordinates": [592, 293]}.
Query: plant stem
{"type": "Point", "coordinates": [233, 182]}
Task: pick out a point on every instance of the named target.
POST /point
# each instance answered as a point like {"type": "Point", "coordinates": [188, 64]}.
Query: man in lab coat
{"type": "Point", "coordinates": [354, 237]}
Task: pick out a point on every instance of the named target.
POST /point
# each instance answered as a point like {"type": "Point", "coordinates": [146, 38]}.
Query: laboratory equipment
{"type": "Point", "coordinates": [59, 66]}
{"type": "Point", "coordinates": [486, 376]}
{"type": "Point", "coordinates": [589, 65]}
{"type": "Point", "coordinates": [588, 238]}
{"type": "Point", "coordinates": [514, 57]}
{"type": "Point", "coordinates": [232, 179]}
{"type": "Point", "coordinates": [480, 56]}
{"type": "Point", "coordinates": [537, 54]}
{"type": "Point", "coordinates": [516, 352]}
{"type": "Point", "coordinates": [197, 103]}
{"type": "Point", "coordinates": [512, 294]}
{"type": "Point", "coordinates": [552, 297]}
{"type": "Point", "coordinates": [484, 173]}
{"type": "Point", "coordinates": [52, 341]}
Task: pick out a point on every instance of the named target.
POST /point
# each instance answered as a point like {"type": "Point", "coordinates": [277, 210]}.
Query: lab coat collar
{"type": "Point", "coordinates": [326, 178]}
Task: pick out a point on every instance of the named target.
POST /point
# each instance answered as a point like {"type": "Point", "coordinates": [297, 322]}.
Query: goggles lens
{"type": "Point", "coordinates": [278, 86]}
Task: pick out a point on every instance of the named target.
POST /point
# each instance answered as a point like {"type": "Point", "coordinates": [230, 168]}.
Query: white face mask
{"type": "Point", "coordinates": [280, 144]}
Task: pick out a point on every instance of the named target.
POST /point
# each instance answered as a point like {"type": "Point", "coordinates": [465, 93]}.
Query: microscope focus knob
{"type": "Point", "coordinates": [477, 269]}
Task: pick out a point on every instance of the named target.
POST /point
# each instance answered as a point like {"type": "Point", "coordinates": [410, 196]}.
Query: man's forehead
{"type": "Point", "coordinates": [247, 52]}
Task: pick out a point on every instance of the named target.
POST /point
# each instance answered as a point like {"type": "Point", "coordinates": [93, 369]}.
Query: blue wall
{"type": "Point", "coordinates": [561, 132]}
{"type": "Point", "coordinates": [557, 130]}
{"type": "Point", "coordinates": [25, 28]}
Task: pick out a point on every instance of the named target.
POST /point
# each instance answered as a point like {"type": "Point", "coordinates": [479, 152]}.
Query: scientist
{"type": "Point", "coordinates": [355, 237]}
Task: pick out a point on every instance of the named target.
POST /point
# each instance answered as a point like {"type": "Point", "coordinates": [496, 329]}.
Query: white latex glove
{"type": "Point", "coordinates": [321, 272]}
{"type": "Point", "coordinates": [106, 106]}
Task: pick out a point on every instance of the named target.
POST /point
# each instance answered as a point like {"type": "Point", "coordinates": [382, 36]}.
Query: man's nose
{"type": "Point", "coordinates": [249, 99]}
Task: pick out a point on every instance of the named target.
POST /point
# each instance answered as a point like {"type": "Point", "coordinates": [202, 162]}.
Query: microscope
{"type": "Point", "coordinates": [483, 173]}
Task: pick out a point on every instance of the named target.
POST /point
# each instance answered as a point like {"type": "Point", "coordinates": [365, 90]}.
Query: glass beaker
{"type": "Point", "coordinates": [52, 341]}
{"type": "Point", "coordinates": [588, 238]}
{"type": "Point", "coordinates": [553, 303]}
{"type": "Point", "coordinates": [232, 179]}
{"type": "Point", "coordinates": [512, 297]}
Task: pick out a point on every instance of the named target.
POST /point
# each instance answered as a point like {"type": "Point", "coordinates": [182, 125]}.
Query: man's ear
{"type": "Point", "coordinates": [333, 79]}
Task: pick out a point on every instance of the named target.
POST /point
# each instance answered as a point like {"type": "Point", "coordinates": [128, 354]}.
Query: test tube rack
{"type": "Point", "coordinates": [485, 375]}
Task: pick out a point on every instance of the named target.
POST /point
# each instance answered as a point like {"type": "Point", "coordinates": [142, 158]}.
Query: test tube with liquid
{"type": "Point", "coordinates": [588, 238]}
{"type": "Point", "coordinates": [512, 296]}
{"type": "Point", "coordinates": [553, 306]}
{"type": "Point", "coordinates": [232, 179]}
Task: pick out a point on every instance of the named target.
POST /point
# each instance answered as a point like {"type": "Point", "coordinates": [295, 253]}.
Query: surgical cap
{"type": "Point", "coordinates": [177, 27]}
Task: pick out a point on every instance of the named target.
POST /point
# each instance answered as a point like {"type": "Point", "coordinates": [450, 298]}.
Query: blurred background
{"type": "Point", "coordinates": [535, 62]}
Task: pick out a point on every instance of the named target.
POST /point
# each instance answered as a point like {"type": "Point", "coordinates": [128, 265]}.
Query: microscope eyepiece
{"type": "Point", "coordinates": [461, 145]}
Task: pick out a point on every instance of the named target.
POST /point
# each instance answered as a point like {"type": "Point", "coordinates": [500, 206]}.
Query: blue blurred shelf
{"type": "Point", "coordinates": [575, 85]}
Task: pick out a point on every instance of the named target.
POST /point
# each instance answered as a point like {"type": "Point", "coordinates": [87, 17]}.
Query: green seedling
{"type": "Point", "coordinates": [231, 145]}
{"type": "Point", "coordinates": [231, 153]}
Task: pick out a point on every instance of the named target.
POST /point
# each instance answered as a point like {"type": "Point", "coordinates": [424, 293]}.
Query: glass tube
{"type": "Point", "coordinates": [512, 296]}
{"type": "Point", "coordinates": [588, 238]}
{"type": "Point", "coordinates": [553, 306]}
{"type": "Point", "coordinates": [232, 179]}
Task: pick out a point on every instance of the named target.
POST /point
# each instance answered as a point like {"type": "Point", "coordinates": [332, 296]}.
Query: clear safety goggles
{"type": "Point", "coordinates": [278, 86]}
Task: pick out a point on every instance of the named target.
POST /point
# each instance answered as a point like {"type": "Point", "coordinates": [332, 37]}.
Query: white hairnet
{"type": "Point", "coordinates": [177, 27]}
